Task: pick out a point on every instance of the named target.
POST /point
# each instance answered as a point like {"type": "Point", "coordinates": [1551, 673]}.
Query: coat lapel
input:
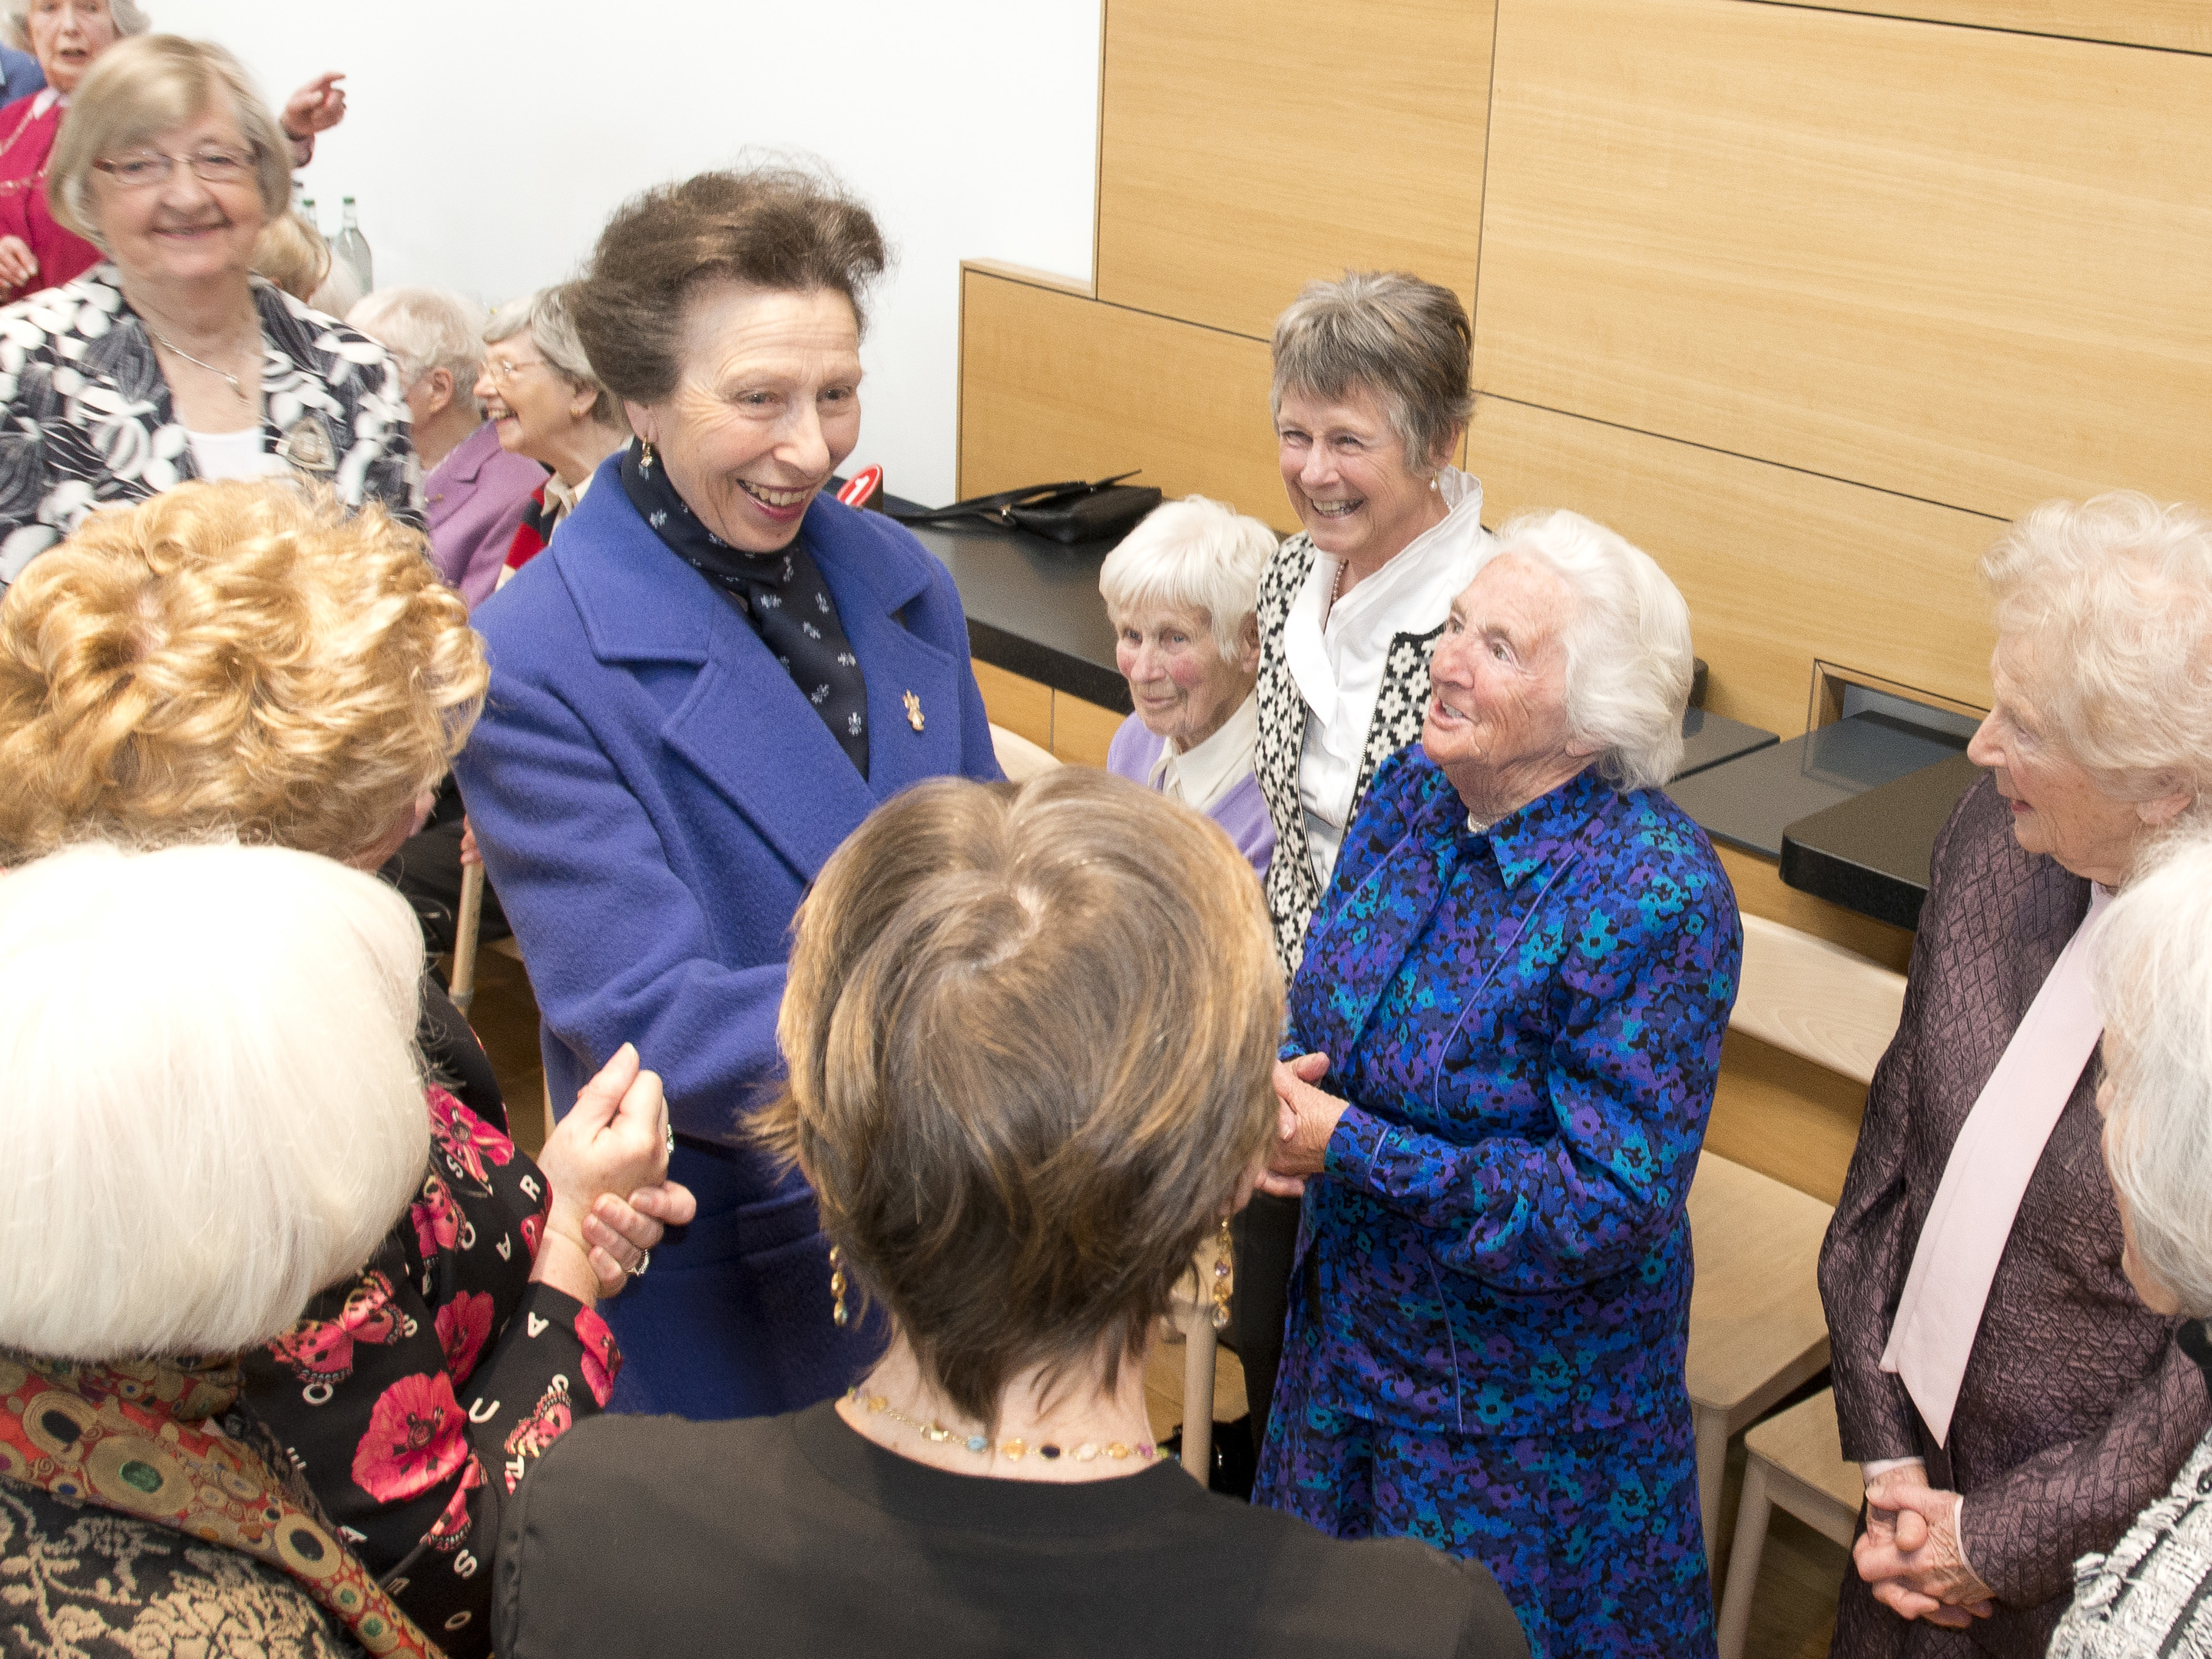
{"type": "Point", "coordinates": [742, 726]}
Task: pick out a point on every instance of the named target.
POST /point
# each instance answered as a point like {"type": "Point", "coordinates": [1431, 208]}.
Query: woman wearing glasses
{"type": "Point", "coordinates": [541, 398]}
{"type": "Point", "coordinates": [66, 37]}
{"type": "Point", "coordinates": [172, 361]}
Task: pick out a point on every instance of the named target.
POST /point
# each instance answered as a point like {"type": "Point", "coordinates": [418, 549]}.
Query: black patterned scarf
{"type": "Point", "coordinates": [781, 595]}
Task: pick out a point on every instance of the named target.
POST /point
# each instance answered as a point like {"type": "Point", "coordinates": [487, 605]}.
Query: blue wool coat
{"type": "Point", "coordinates": [653, 796]}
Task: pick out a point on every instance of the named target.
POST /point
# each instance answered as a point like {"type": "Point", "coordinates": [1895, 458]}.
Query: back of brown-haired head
{"type": "Point", "coordinates": [779, 228]}
{"type": "Point", "coordinates": [1030, 1031]}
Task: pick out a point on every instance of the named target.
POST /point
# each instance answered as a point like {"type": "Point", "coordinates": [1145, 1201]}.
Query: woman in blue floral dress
{"type": "Point", "coordinates": [1503, 1043]}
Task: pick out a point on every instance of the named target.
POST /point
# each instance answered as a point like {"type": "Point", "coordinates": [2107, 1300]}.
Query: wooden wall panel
{"type": "Point", "coordinates": [1249, 146]}
{"type": "Point", "coordinates": [1967, 265]}
{"type": "Point", "coordinates": [1023, 706]}
{"type": "Point", "coordinates": [2173, 24]}
{"type": "Point", "coordinates": [1053, 385]}
{"type": "Point", "coordinates": [1778, 567]}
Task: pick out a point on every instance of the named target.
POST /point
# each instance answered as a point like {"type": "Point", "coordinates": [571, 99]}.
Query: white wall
{"type": "Point", "coordinates": [487, 143]}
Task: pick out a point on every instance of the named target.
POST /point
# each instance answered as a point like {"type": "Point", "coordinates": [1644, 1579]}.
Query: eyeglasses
{"type": "Point", "coordinates": [145, 168]}
{"type": "Point", "coordinates": [500, 372]}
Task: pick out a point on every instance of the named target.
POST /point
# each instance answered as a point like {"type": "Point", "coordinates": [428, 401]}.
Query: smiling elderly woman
{"type": "Point", "coordinates": [546, 404]}
{"type": "Point", "coordinates": [1977, 1235]}
{"type": "Point", "coordinates": [1180, 591]}
{"type": "Point", "coordinates": [1371, 394]}
{"type": "Point", "coordinates": [1516, 989]}
{"type": "Point", "coordinates": [711, 677]}
{"type": "Point", "coordinates": [174, 360]}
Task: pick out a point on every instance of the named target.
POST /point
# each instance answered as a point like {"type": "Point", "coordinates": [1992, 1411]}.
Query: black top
{"type": "Point", "coordinates": [795, 1535]}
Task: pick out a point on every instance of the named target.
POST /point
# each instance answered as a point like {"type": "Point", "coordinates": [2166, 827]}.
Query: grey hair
{"type": "Point", "coordinates": [1387, 332]}
{"type": "Point", "coordinates": [16, 21]}
{"type": "Point", "coordinates": [139, 90]}
{"type": "Point", "coordinates": [1194, 555]}
{"type": "Point", "coordinates": [2113, 599]}
{"type": "Point", "coordinates": [215, 1100]}
{"type": "Point", "coordinates": [426, 328]}
{"type": "Point", "coordinates": [1627, 643]}
{"type": "Point", "coordinates": [548, 316]}
{"type": "Point", "coordinates": [2154, 980]}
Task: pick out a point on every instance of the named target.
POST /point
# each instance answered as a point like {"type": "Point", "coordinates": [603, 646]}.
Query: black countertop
{"type": "Point", "coordinates": [1750, 801]}
{"type": "Point", "coordinates": [1033, 606]}
{"type": "Point", "coordinates": [1870, 852]}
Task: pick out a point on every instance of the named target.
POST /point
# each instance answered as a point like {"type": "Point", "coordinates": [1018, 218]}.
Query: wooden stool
{"type": "Point", "coordinates": [1757, 1331]}
{"type": "Point", "coordinates": [1796, 1460]}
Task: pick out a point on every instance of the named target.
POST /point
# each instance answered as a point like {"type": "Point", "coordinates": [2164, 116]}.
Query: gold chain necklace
{"type": "Point", "coordinates": [162, 339]}
{"type": "Point", "coordinates": [1012, 1450]}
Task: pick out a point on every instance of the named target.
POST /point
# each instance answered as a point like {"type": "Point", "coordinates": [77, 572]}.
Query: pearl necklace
{"type": "Point", "coordinates": [1012, 1450]}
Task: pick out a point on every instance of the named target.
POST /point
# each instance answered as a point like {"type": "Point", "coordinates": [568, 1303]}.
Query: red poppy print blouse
{"type": "Point", "coordinates": [416, 1396]}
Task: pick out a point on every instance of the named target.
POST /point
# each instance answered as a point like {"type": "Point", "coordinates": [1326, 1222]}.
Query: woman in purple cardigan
{"type": "Point", "coordinates": [1181, 591]}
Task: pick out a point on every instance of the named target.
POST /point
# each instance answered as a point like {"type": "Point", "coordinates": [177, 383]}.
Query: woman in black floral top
{"type": "Point", "coordinates": [241, 658]}
{"type": "Point", "coordinates": [172, 361]}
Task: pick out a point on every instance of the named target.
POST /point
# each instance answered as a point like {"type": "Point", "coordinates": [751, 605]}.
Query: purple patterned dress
{"type": "Point", "coordinates": [1491, 1304]}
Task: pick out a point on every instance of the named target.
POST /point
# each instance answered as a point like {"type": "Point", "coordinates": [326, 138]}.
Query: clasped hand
{"type": "Point", "coordinates": [1911, 1553]}
{"type": "Point", "coordinates": [607, 1163]}
{"type": "Point", "coordinates": [1304, 1120]}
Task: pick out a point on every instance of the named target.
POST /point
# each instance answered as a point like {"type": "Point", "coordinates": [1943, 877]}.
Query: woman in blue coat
{"type": "Point", "coordinates": [1518, 980]}
{"type": "Point", "coordinates": [705, 684]}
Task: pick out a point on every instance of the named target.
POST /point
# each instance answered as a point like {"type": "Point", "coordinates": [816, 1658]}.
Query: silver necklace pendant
{"type": "Point", "coordinates": [178, 350]}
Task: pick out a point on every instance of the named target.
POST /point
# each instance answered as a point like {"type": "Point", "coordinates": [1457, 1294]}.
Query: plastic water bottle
{"type": "Point", "coordinates": [307, 210]}
{"type": "Point", "coordinates": [351, 250]}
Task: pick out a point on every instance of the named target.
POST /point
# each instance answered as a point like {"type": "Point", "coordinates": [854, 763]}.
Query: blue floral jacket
{"type": "Point", "coordinates": [1528, 1026]}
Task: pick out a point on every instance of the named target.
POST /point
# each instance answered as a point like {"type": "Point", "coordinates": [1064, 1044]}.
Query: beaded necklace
{"type": "Point", "coordinates": [1012, 1450]}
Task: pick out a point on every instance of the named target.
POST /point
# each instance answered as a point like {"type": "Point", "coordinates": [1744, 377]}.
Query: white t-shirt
{"type": "Point", "coordinates": [233, 455]}
{"type": "Point", "coordinates": [1338, 665]}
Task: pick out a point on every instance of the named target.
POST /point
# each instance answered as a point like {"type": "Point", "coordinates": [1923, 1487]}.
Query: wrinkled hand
{"type": "Point", "coordinates": [621, 1230]}
{"type": "Point", "coordinates": [1909, 1552]}
{"type": "Point", "coordinates": [1304, 1120]}
{"type": "Point", "coordinates": [469, 853]}
{"type": "Point", "coordinates": [18, 264]}
{"type": "Point", "coordinates": [613, 1141]}
{"type": "Point", "coordinates": [316, 108]}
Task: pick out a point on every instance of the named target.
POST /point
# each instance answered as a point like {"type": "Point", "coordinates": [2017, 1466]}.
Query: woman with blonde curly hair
{"type": "Point", "coordinates": [244, 662]}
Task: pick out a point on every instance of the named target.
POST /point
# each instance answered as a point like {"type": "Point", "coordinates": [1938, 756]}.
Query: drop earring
{"type": "Point", "coordinates": [645, 455]}
{"type": "Point", "coordinates": [1225, 1275]}
{"type": "Point", "coordinates": [838, 1311]}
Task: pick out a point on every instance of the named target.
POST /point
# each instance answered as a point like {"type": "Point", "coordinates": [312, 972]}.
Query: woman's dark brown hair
{"type": "Point", "coordinates": [769, 228]}
{"type": "Point", "coordinates": [1031, 1032]}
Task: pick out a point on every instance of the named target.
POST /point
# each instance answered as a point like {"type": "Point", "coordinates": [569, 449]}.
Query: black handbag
{"type": "Point", "coordinates": [1072, 512]}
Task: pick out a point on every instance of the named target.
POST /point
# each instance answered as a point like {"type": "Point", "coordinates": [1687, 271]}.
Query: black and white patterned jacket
{"type": "Point", "coordinates": [86, 420]}
{"type": "Point", "coordinates": [1293, 892]}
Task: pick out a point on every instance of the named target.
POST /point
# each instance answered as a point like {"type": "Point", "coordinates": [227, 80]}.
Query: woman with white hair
{"type": "Point", "coordinates": [1180, 591]}
{"type": "Point", "coordinates": [172, 360]}
{"type": "Point", "coordinates": [1516, 989]}
{"type": "Point", "coordinates": [547, 405]}
{"type": "Point", "coordinates": [2152, 1591]}
{"type": "Point", "coordinates": [215, 1109]}
{"type": "Point", "coordinates": [244, 660]}
{"type": "Point", "coordinates": [475, 494]}
{"type": "Point", "coordinates": [1976, 1236]}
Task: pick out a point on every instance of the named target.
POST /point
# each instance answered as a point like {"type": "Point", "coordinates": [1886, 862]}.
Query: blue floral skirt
{"type": "Point", "coordinates": [1594, 1537]}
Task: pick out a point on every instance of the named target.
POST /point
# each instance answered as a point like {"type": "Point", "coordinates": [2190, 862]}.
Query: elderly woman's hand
{"type": "Point", "coordinates": [18, 264]}
{"type": "Point", "coordinates": [613, 1141]}
{"type": "Point", "coordinates": [1909, 1552]}
{"type": "Point", "coordinates": [621, 1232]}
{"type": "Point", "coordinates": [316, 108]}
{"type": "Point", "coordinates": [1305, 1119]}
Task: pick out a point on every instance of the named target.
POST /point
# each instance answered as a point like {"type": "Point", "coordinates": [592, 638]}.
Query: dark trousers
{"type": "Point", "coordinates": [1266, 1237]}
